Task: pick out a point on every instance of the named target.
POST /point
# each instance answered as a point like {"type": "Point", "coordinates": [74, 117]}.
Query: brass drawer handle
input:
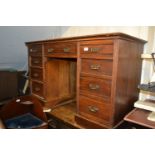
{"type": "Point", "coordinates": [93, 109]}
{"type": "Point", "coordinates": [66, 49]}
{"type": "Point", "coordinates": [94, 49]}
{"type": "Point", "coordinates": [33, 50]}
{"type": "Point", "coordinates": [36, 62]}
{"type": "Point", "coordinates": [37, 89]}
{"type": "Point", "coordinates": [94, 86]}
{"type": "Point", "coordinates": [50, 50]}
{"type": "Point", "coordinates": [35, 75]}
{"type": "Point", "coordinates": [95, 67]}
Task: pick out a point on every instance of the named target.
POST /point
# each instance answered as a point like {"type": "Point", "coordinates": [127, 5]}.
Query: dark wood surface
{"type": "Point", "coordinates": [101, 71]}
{"type": "Point", "coordinates": [139, 116]}
{"type": "Point", "coordinates": [8, 84]}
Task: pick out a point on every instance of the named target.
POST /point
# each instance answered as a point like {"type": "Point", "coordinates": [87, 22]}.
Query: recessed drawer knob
{"type": "Point", "coordinates": [33, 50]}
{"type": "Point", "coordinates": [93, 109]}
{"type": "Point", "coordinates": [66, 49]}
{"type": "Point", "coordinates": [50, 50]}
{"type": "Point", "coordinates": [95, 67]}
{"type": "Point", "coordinates": [37, 89]}
{"type": "Point", "coordinates": [94, 49]}
{"type": "Point", "coordinates": [94, 86]}
{"type": "Point", "coordinates": [36, 62]}
{"type": "Point", "coordinates": [35, 74]}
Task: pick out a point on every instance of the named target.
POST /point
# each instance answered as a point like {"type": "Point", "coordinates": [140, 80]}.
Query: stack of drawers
{"type": "Point", "coordinates": [95, 80]}
{"type": "Point", "coordinates": [36, 70]}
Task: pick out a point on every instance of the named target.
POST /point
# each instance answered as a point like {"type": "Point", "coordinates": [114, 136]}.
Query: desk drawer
{"type": "Point", "coordinates": [35, 49]}
{"type": "Point", "coordinates": [60, 49]}
{"type": "Point", "coordinates": [96, 49]}
{"type": "Point", "coordinates": [96, 67]}
{"type": "Point", "coordinates": [37, 74]}
{"type": "Point", "coordinates": [96, 87]}
{"type": "Point", "coordinates": [93, 110]}
{"type": "Point", "coordinates": [36, 61]}
{"type": "Point", "coordinates": [37, 88]}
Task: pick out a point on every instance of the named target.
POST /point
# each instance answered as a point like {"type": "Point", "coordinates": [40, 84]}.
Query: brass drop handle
{"type": "Point", "coordinates": [37, 89]}
{"type": "Point", "coordinates": [95, 67]}
{"type": "Point", "coordinates": [94, 49]}
{"type": "Point", "coordinates": [36, 62]}
{"type": "Point", "coordinates": [50, 50]}
{"type": "Point", "coordinates": [35, 74]}
{"type": "Point", "coordinates": [33, 50]}
{"type": "Point", "coordinates": [93, 109]}
{"type": "Point", "coordinates": [94, 86]}
{"type": "Point", "coordinates": [66, 49]}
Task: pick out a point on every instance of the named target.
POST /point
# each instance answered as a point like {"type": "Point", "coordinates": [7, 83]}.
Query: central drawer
{"type": "Point", "coordinates": [95, 87]}
{"type": "Point", "coordinates": [61, 49]}
{"type": "Point", "coordinates": [96, 67]}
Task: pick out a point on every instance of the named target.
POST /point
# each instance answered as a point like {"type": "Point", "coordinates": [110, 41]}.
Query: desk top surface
{"type": "Point", "coordinates": [107, 35]}
{"type": "Point", "coordinates": [139, 116]}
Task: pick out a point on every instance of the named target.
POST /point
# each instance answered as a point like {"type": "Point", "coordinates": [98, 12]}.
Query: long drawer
{"type": "Point", "coordinates": [93, 110]}
{"type": "Point", "coordinates": [95, 88]}
{"type": "Point", "coordinates": [96, 49]}
{"type": "Point", "coordinates": [61, 49]}
{"type": "Point", "coordinates": [96, 67]}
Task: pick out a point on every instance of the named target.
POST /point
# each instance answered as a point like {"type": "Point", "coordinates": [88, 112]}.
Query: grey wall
{"type": "Point", "coordinates": [13, 52]}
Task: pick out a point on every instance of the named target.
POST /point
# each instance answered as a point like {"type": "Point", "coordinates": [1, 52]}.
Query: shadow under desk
{"type": "Point", "coordinates": [63, 117]}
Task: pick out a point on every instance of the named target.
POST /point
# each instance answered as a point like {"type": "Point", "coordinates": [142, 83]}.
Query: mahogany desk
{"type": "Point", "coordinates": [139, 116]}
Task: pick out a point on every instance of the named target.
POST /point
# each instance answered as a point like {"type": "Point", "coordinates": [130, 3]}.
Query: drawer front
{"type": "Point", "coordinates": [97, 111]}
{"type": "Point", "coordinates": [60, 49]}
{"type": "Point", "coordinates": [96, 49]}
{"type": "Point", "coordinates": [37, 89]}
{"type": "Point", "coordinates": [96, 87]}
{"type": "Point", "coordinates": [96, 67]}
{"type": "Point", "coordinates": [35, 49]}
{"type": "Point", "coordinates": [37, 74]}
{"type": "Point", "coordinates": [36, 61]}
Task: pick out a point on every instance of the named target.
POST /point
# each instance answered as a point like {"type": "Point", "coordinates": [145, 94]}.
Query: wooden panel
{"type": "Point", "coordinates": [35, 49]}
{"type": "Point", "coordinates": [36, 61]}
{"type": "Point", "coordinates": [37, 74]}
{"type": "Point", "coordinates": [37, 88]}
{"type": "Point", "coordinates": [97, 87]}
{"type": "Point", "coordinates": [96, 49]}
{"type": "Point", "coordinates": [96, 67]}
{"type": "Point", "coordinates": [61, 49]}
{"type": "Point", "coordinates": [61, 80]}
{"type": "Point", "coordinates": [93, 110]}
{"type": "Point", "coordinates": [127, 77]}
